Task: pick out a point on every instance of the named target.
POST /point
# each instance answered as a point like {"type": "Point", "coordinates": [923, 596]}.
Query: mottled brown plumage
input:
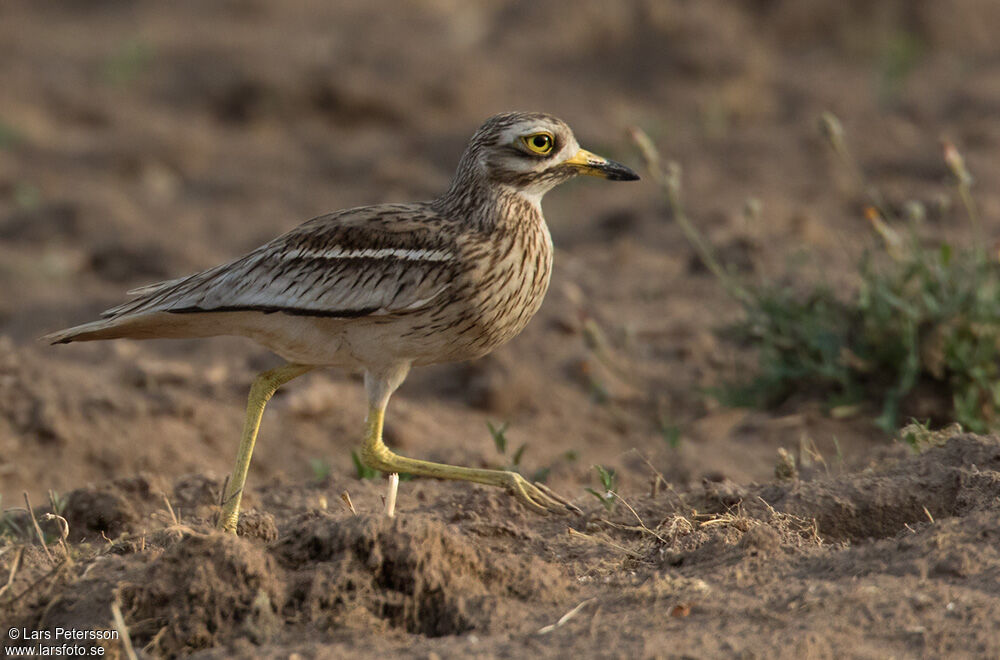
{"type": "Point", "coordinates": [383, 288]}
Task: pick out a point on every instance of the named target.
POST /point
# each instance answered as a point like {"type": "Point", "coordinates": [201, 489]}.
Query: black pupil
{"type": "Point", "coordinates": [540, 141]}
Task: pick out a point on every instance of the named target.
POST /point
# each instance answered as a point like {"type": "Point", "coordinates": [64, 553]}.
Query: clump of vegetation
{"type": "Point", "coordinates": [929, 314]}
{"type": "Point", "coordinates": [924, 312]}
{"type": "Point", "coordinates": [920, 437]}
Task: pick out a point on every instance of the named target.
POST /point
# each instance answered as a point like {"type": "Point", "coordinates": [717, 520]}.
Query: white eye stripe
{"type": "Point", "coordinates": [370, 253]}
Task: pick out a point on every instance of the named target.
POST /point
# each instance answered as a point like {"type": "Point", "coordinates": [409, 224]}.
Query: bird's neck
{"type": "Point", "coordinates": [489, 206]}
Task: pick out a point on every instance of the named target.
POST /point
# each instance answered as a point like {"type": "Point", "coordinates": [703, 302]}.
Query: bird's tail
{"type": "Point", "coordinates": [104, 329]}
{"type": "Point", "coordinates": [154, 325]}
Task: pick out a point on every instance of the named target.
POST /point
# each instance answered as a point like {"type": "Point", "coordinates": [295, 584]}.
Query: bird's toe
{"type": "Point", "coordinates": [539, 498]}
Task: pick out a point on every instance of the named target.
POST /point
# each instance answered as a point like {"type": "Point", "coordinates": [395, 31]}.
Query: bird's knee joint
{"type": "Point", "coordinates": [375, 456]}
{"type": "Point", "coordinates": [263, 389]}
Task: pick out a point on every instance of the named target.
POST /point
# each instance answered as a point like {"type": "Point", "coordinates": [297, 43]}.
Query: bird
{"type": "Point", "coordinates": [381, 289]}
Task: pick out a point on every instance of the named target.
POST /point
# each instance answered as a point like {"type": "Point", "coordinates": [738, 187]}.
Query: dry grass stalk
{"type": "Point", "coordinates": [642, 525]}
{"type": "Point", "coordinates": [346, 497]}
{"type": "Point", "coordinates": [669, 180]}
{"type": "Point", "coordinates": [611, 544]}
{"type": "Point", "coordinates": [123, 634]}
{"type": "Point", "coordinates": [38, 529]}
{"type": "Point", "coordinates": [565, 617]}
{"type": "Point", "coordinates": [34, 585]}
{"type": "Point", "coordinates": [15, 565]}
{"type": "Point", "coordinates": [173, 516]}
{"type": "Point", "coordinates": [63, 532]}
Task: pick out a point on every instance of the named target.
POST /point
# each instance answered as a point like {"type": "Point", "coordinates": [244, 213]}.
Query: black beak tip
{"type": "Point", "coordinates": [618, 172]}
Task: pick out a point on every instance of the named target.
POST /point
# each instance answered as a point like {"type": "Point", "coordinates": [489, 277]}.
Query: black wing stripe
{"type": "Point", "coordinates": [272, 309]}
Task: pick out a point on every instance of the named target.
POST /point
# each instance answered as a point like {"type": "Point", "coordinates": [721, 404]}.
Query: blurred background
{"type": "Point", "coordinates": [142, 141]}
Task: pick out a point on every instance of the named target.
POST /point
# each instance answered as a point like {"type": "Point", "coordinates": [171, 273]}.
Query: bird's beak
{"type": "Point", "coordinates": [593, 165]}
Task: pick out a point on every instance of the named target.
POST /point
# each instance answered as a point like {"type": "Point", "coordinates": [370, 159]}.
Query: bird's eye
{"type": "Point", "coordinates": [539, 143]}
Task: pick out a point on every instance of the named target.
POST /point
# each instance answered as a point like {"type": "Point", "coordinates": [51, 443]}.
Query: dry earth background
{"type": "Point", "coordinates": [145, 140]}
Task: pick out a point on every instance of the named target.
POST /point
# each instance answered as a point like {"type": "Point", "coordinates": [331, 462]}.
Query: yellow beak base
{"type": "Point", "coordinates": [594, 165]}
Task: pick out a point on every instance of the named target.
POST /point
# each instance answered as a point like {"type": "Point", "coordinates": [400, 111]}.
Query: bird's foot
{"type": "Point", "coordinates": [538, 497]}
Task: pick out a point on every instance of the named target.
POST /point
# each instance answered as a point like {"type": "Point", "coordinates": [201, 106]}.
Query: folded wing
{"type": "Point", "coordinates": [359, 262]}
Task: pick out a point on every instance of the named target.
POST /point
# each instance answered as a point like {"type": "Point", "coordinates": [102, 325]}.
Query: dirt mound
{"type": "Point", "coordinates": [737, 534]}
{"type": "Point", "coordinates": [203, 591]}
{"type": "Point", "coordinates": [958, 478]}
{"type": "Point", "coordinates": [111, 509]}
{"type": "Point", "coordinates": [412, 573]}
{"type": "Point", "coordinates": [900, 504]}
{"type": "Point", "coordinates": [183, 588]}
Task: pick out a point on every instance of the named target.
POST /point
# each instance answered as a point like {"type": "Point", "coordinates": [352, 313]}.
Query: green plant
{"type": "Point", "coordinates": [669, 431]}
{"type": "Point", "coordinates": [922, 313]}
{"type": "Point", "coordinates": [920, 437]}
{"type": "Point", "coordinates": [513, 463]}
{"type": "Point", "coordinates": [499, 435]}
{"type": "Point", "coordinates": [609, 482]}
{"type": "Point", "coordinates": [320, 469]}
{"type": "Point", "coordinates": [128, 62]}
{"type": "Point", "coordinates": [899, 56]}
{"type": "Point", "coordinates": [11, 529]}
{"type": "Point", "coordinates": [57, 502]}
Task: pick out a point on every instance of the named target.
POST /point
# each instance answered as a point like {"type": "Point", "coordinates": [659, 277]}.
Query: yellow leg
{"type": "Point", "coordinates": [376, 455]}
{"type": "Point", "coordinates": [261, 391]}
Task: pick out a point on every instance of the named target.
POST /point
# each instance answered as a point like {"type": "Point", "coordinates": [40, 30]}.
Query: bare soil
{"type": "Point", "coordinates": [143, 140]}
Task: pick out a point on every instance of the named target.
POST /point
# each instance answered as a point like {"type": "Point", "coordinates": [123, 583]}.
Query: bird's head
{"type": "Point", "coordinates": [531, 153]}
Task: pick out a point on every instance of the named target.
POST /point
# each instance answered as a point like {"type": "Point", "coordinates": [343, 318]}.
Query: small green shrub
{"type": "Point", "coordinates": [926, 315]}
{"type": "Point", "coordinates": [609, 482]}
{"type": "Point", "coordinates": [924, 312]}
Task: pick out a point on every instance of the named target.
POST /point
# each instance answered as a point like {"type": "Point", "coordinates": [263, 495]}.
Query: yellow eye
{"type": "Point", "coordinates": [539, 143]}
